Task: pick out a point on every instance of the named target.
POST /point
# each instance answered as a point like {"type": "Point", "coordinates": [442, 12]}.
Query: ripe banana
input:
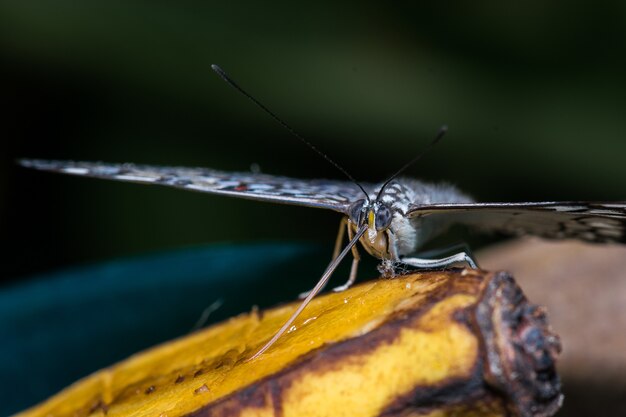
{"type": "Point", "coordinates": [460, 342]}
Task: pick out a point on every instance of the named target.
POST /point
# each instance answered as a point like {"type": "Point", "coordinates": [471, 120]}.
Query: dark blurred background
{"type": "Point", "coordinates": [534, 94]}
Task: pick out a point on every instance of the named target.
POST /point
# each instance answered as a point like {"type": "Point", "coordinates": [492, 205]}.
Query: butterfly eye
{"type": "Point", "coordinates": [383, 218]}
{"type": "Point", "coordinates": [357, 212]}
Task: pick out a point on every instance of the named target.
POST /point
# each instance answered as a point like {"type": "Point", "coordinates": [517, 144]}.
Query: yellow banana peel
{"type": "Point", "coordinates": [453, 343]}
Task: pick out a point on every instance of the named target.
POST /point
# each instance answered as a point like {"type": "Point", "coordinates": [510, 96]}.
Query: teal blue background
{"type": "Point", "coordinates": [59, 327]}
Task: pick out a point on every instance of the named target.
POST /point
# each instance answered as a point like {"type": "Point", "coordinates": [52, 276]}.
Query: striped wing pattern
{"type": "Point", "coordinates": [589, 221]}
{"type": "Point", "coordinates": [328, 194]}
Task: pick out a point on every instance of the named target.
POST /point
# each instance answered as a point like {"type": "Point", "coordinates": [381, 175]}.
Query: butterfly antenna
{"type": "Point", "coordinates": [236, 86]}
{"type": "Point", "coordinates": [440, 134]}
{"type": "Point", "coordinates": [318, 287]}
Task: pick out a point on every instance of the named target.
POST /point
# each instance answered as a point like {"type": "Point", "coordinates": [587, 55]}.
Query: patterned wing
{"type": "Point", "coordinates": [589, 221]}
{"type": "Point", "coordinates": [334, 195]}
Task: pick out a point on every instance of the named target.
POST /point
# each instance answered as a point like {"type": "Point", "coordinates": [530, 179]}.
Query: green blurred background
{"type": "Point", "coordinates": [534, 94]}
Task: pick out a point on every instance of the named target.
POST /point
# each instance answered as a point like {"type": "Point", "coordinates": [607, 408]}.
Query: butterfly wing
{"type": "Point", "coordinates": [334, 195]}
{"type": "Point", "coordinates": [588, 221]}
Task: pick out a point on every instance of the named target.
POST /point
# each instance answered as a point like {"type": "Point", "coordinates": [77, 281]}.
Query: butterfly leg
{"type": "Point", "coordinates": [355, 262]}
{"type": "Point", "coordinates": [456, 247]}
{"type": "Point", "coordinates": [440, 263]}
{"type": "Point", "coordinates": [343, 225]}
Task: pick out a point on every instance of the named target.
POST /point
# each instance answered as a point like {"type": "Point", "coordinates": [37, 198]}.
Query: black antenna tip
{"type": "Point", "coordinates": [442, 132]}
{"type": "Point", "coordinates": [218, 70]}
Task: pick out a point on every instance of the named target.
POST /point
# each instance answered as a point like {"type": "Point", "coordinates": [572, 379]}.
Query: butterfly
{"type": "Point", "coordinates": [391, 220]}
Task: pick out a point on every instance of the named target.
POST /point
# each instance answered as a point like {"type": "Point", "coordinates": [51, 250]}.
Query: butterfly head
{"type": "Point", "coordinates": [377, 216]}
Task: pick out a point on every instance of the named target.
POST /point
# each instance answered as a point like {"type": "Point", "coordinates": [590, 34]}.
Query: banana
{"type": "Point", "coordinates": [446, 343]}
